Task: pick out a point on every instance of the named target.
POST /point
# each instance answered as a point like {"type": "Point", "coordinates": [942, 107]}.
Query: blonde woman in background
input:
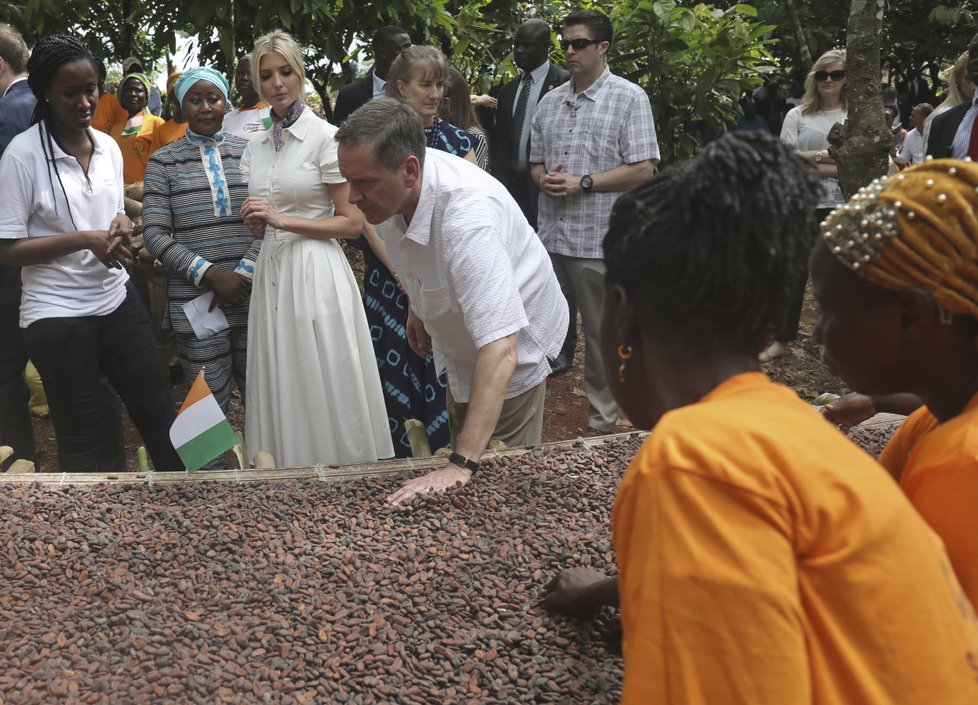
{"type": "Point", "coordinates": [806, 129]}
{"type": "Point", "coordinates": [313, 392]}
{"type": "Point", "coordinates": [960, 89]}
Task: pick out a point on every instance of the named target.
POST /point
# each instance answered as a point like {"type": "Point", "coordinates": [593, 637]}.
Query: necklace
{"type": "Point", "coordinates": [430, 133]}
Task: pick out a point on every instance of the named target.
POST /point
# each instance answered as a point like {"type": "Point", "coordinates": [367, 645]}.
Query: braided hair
{"type": "Point", "coordinates": [711, 247]}
{"type": "Point", "coordinates": [50, 54]}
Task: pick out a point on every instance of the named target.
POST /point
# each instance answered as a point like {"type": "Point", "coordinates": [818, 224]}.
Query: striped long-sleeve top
{"type": "Point", "coordinates": [192, 219]}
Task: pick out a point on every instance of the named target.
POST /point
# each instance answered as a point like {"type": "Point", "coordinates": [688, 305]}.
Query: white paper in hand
{"type": "Point", "coordinates": [205, 323]}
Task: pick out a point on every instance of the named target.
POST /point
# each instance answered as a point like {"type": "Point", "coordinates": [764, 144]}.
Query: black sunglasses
{"type": "Point", "coordinates": [834, 75]}
{"type": "Point", "coordinates": [578, 44]}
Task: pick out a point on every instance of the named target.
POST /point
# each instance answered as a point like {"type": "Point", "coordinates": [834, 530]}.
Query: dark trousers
{"type": "Point", "coordinates": [525, 193]}
{"type": "Point", "coordinates": [15, 416]}
{"type": "Point", "coordinates": [792, 318]}
{"type": "Point", "coordinates": [73, 354]}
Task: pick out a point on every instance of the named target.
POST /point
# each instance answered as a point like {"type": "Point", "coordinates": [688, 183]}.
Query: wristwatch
{"type": "Point", "coordinates": [587, 183]}
{"type": "Point", "coordinates": [818, 156]}
{"type": "Point", "coordinates": [463, 462]}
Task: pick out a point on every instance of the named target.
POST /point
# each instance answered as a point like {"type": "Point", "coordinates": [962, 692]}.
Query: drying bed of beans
{"type": "Point", "coordinates": [873, 438]}
{"type": "Point", "coordinates": [309, 592]}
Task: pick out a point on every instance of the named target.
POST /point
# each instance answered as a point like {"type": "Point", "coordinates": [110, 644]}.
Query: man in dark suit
{"type": "Point", "coordinates": [509, 143]}
{"type": "Point", "coordinates": [387, 44]}
{"type": "Point", "coordinates": [952, 132]}
{"type": "Point", "coordinates": [16, 99]}
{"type": "Point", "coordinates": [509, 149]}
{"type": "Point", "coordinates": [16, 107]}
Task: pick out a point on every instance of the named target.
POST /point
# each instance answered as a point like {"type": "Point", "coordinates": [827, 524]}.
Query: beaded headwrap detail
{"type": "Point", "coordinates": [858, 231]}
{"type": "Point", "coordinates": [918, 228]}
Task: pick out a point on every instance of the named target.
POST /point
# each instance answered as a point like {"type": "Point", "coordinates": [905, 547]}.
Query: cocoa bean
{"type": "Point", "coordinates": [304, 591]}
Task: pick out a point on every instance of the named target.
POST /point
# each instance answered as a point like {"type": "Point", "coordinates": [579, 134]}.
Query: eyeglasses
{"type": "Point", "coordinates": [578, 44]}
{"type": "Point", "coordinates": [834, 75]}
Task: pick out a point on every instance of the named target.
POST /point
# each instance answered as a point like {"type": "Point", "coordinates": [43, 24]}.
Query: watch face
{"type": "Point", "coordinates": [586, 182]}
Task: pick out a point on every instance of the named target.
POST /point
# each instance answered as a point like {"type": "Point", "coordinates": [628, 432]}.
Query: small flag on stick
{"type": "Point", "coordinates": [201, 432]}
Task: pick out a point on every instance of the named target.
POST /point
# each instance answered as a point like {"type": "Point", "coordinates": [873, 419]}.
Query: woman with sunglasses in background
{"type": "Point", "coordinates": [806, 129]}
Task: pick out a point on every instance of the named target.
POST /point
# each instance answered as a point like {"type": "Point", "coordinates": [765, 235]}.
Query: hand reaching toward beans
{"type": "Point", "coordinates": [435, 481]}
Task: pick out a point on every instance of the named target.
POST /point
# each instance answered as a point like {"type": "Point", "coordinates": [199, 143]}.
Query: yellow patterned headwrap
{"type": "Point", "coordinates": [916, 228]}
{"type": "Point", "coordinates": [172, 79]}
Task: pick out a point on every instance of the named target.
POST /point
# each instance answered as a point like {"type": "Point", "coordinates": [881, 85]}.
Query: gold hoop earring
{"type": "Point", "coordinates": [625, 353]}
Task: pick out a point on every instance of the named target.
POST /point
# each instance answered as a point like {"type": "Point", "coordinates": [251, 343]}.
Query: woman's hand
{"type": "Point", "coordinates": [850, 410]}
{"type": "Point", "coordinates": [120, 236]}
{"type": "Point", "coordinates": [121, 226]}
{"type": "Point", "coordinates": [483, 101]}
{"type": "Point", "coordinates": [418, 339]}
{"type": "Point", "coordinates": [258, 212]}
{"type": "Point", "coordinates": [580, 590]}
{"type": "Point", "coordinates": [111, 250]}
{"type": "Point", "coordinates": [230, 288]}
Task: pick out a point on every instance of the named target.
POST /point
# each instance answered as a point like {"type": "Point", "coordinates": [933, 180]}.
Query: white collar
{"type": "Point", "coordinates": [16, 80]}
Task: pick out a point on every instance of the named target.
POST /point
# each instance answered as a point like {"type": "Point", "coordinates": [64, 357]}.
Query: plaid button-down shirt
{"type": "Point", "coordinates": [607, 125]}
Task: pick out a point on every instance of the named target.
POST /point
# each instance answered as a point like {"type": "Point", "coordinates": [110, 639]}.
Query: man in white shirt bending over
{"type": "Point", "coordinates": [484, 296]}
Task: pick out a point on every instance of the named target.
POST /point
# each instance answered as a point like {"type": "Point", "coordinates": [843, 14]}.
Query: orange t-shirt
{"type": "Point", "coordinates": [937, 464]}
{"type": "Point", "coordinates": [138, 148]}
{"type": "Point", "coordinates": [171, 131]}
{"type": "Point", "coordinates": [763, 558]}
{"type": "Point", "coordinates": [108, 112]}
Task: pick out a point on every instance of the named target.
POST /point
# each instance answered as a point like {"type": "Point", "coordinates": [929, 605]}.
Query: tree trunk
{"type": "Point", "coordinates": [806, 53]}
{"type": "Point", "coordinates": [861, 148]}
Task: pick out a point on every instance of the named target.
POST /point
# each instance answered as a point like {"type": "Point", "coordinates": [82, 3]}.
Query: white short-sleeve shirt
{"type": "Point", "coordinates": [476, 272]}
{"type": "Point", "coordinates": [292, 179]}
{"type": "Point", "coordinates": [34, 205]}
{"type": "Point", "coordinates": [248, 122]}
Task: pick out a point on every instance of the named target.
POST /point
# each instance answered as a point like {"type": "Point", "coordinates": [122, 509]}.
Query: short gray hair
{"type": "Point", "coordinates": [392, 127]}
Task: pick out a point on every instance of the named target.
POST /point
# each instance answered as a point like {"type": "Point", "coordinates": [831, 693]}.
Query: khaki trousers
{"type": "Point", "coordinates": [520, 421]}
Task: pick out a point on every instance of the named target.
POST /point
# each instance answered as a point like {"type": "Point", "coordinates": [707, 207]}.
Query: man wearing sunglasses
{"type": "Point", "coordinates": [592, 139]}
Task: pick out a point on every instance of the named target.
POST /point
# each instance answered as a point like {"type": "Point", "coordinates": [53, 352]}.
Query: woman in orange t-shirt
{"type": "Point", "coordinates": [899, 313]}
{"type": "Point", "coordinates": [139, 136]}
{"type": "Point", "coordinates": [763, 558]}
{"type": "Point", "coordinates": [176, 127]}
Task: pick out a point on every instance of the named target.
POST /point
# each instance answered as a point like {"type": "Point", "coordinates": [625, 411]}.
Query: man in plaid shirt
{"type": "Point", "coordinates": [592, 139]}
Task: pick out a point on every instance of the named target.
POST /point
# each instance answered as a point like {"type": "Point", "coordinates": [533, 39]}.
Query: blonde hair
{"type": "Point", "coordinates": [281, 43]}
{"type": "Point", "coordinates": [414, 62]}
{"type": "Point", "coordinates": [811, 103]}
{"type": "Point", "coordinates": [952, 76]}
{"type": "Point", "coordinates": [958, 72]}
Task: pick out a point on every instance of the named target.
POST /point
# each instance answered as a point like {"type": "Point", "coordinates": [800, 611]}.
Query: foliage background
{"type": "Point", "coordinates": [695, 60]}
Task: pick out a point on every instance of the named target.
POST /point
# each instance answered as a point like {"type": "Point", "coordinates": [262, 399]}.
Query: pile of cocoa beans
{"type": "Point", "coordinates": [307, 591]}
{"type": "Point", "coordinates": [873, 437]}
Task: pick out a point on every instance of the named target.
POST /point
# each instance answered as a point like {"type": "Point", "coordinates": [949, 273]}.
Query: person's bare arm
{"type": "Point", "coordinates": [494, 368]}
{"type": "Point", "coordinates": [558, 184]}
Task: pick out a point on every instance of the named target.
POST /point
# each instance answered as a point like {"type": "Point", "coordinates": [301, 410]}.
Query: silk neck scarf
{"type": "Point", "coordinates": [210, 157]}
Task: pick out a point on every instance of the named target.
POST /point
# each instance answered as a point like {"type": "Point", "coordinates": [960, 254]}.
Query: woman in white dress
{"type": "Point", "coordinates": [314, 394]}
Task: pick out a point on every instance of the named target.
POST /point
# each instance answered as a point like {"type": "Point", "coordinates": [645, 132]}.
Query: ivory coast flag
{"type": "Point", "coordinates": [201, 432]}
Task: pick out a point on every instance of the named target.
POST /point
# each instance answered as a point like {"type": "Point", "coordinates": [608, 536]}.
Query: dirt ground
{"type": "Point", "coordinates": [565, 414]}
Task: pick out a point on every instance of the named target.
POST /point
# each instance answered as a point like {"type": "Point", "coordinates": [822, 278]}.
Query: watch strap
{"type": "Point", "coordinates": [463, 462]}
